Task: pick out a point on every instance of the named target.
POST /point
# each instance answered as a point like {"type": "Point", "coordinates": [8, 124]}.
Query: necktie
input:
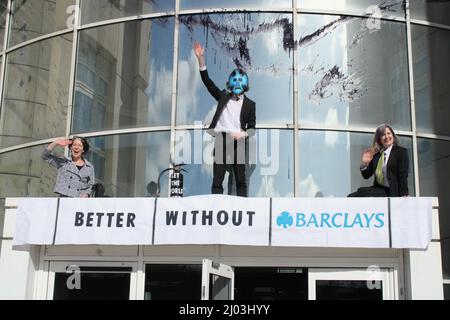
{"type": "Point", "coordinates": [379, 171]}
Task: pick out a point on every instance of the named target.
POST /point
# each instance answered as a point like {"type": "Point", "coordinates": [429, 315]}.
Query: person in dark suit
{"type": "Point", "coordinates": [233, 122]}
{"type": "Point", "coordinates": [388, 162]}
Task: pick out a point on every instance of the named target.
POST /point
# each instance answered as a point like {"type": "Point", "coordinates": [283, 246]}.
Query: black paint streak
{"type": "Point", "coordinates": [232, 36]}
{"type": "Point", "coordinates": [334, 80]}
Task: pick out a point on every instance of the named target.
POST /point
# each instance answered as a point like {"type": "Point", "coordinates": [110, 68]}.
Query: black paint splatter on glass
{"type": "Point", "coordinates": [234, 38]}
{"type": "Point", "coordinates": [233, 32]}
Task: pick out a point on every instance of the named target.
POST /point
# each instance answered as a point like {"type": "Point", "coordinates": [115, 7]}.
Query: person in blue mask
{"type": "Point", "coordinates": [233, 122]}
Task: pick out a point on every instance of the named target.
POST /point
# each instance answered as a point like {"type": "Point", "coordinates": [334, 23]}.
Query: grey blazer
{"type": "Point", "coordinates": [70, 181]}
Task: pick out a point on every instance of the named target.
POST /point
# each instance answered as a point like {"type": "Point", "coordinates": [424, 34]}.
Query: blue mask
{"type": "Point", "coordinates": [238, 82]}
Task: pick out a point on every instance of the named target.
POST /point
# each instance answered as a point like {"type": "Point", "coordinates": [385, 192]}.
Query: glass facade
{"type": "Point", "coordinates": [431, 49]}
{"type": "Point", "coordinates": [431, 10]}
{"type": "Point", "coordinates": [323, 74]}
{"type": "Point", "coordinates": [36, 91]}
{"type": "Point", "coordinates": [124, 76]}
{"type": "Point", "coordinates": [31, 19]}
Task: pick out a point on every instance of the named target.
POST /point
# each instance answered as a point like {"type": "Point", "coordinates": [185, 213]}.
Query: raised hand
{"type": "Point", "coordinates": [367, 156]}
{"type": "Point", "coordinates": [63, 142]}
{"type": "Point", "coordinates": [198, 50]}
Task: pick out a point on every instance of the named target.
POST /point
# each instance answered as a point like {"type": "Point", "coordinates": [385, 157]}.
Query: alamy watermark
{"type": "Point", "coordinates": [374, 279]}
{"type": "Point", "coordinates": [72, 11]}
{"type": "Point", "coordinates": [261, 148]}
{"type": "Point", "coordinates": [74, 280]}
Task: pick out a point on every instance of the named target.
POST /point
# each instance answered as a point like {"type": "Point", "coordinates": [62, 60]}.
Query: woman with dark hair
{"type": "Point", "coordinates": [75, 175]}
{"type": "Point", "coordinates": [388, 162]}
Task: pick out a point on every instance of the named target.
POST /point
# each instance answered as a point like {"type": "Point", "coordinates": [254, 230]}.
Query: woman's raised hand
{"type": "Point", "coordinates": [63, 142]}
{"type": "Point", "coordinates": [367, 156]}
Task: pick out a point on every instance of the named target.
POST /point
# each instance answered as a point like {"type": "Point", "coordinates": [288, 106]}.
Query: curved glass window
{"type": "Point", "coordinates": [36, 99]}
{"type": "Point", "coordinates": [126, 164]}
{"type": "Point", "coordinates": [378, 8]}
{"type": "Point", "coordinates": [260, 43]}
{"type": "Point", "coordinates": [434, 175]}
{"type": "Point", "coordinates": [329, 162]}
{"type": "Point", "coordinates": [24, 174]}
{"type": "Point", "coordinates": [429, 10]}
{"type": "Point", "coordinates": [98, 10]}
{"type": "Point", "coordinates": [269, 170]}
{"type": "Point", "coordinates": [201, 4]}
{"type": "Point", "coordinates": [431, 49]}
{"type": "Point", "coordinates": [352, 73]}
{"type": "Point", "coordinates": [31, 19]}
{"type": "Point", "coordinates": [124, 76]}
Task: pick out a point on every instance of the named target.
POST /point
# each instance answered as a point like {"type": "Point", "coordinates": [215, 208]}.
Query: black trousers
{"type": "Point", "coordinates": [371, 192]}
{"type": "Point", "coordinates": [229, 152]}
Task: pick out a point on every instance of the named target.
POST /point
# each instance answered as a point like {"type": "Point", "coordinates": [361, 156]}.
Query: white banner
{"type": "Point", "coordinates": [411, 222]}
{"type": "Point", "coordinates": [330, 222]}
{"type": "Point", "coordinates": [35, 221]}
{"type": "Point", "coordinates": [219, 219]}
{"type": "Point", "coordinates": [213, 219]}
{"type": "Point", "coordinates": [121, 221]}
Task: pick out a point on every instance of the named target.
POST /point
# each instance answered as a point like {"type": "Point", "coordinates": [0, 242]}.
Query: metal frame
{"type": "Point", "coordinates": [219, 269]}
{"type": "Point", "coordinates": [331, 259]}
{"type": "Point", "coordinates": [58, 266]}
{"type": "Point", "coordinates": [412, 100]}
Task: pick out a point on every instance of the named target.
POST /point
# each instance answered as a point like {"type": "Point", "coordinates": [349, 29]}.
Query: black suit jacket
{"type": "Point", "coordinates": [247, 116]}
{"type": "Point", "coordinates": [397, 171]}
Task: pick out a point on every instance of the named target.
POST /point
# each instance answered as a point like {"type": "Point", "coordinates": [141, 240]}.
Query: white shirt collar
{"type": "Point", "coordinates": [387, 152]}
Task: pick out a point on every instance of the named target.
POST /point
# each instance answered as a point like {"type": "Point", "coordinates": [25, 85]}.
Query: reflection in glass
{"type": "Point", "coordinates": [377, 8]}
{"type": "Point", "coordinates": [329, 162]}
{"type": "Point", "coordinates": [3, 14]}
{"type": "Point", "coordinates": [201, 4]}
{"type": "Point", "coordinates": [24, 174]}
{"type": "Point", "coordinates": [352, 74]}
{"type": "Point", "coordinates": [268, 283]}
{"type": "Point", "coordinates": [36, 92]}
{"type": "Point", "coordinates": [431, 49]}
{"type": "Point", "coordinates": [173, 282]}
{"type": "Point", "coordinates": [96, 283]}
{"type": "Point", "coordinates": [434, 177]}
{"type": "Point", "coordinates": [126, 164]}
{"type": "Point", "coordinates": [348, 290]}
{"type": "Point", "coordinates": [260, 43]}
{"type": "Point", "coordinates": [98, 10]}
{"type": "Point", "coordinates": [31, 19]}
{"type": "Point", "coordinates": [430, 10]}
{"type": "Point", "coordinates": [269, 172]}
{"type": "Point", "coordinates": [219, 287]}
{"type": "Point", "coordinates": [124, 76]}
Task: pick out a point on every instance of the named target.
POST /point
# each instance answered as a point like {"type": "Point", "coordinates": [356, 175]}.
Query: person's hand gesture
{"type": "Point", "coordinates": [238, 135]}
{"type": "Point", "coordinates": [367, 156]}
{"type": "Point", "coordinates": [63, 142]}
{"type": "Point", "coordinates": [198, 50]}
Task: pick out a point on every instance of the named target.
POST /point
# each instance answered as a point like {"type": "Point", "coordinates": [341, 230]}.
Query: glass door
{"type": "Point", "coordinates": [372, 283]}
{"type": "Point", "coordinates": [92, 281]}
{"type": "Point", "coordinates": [217, 281]}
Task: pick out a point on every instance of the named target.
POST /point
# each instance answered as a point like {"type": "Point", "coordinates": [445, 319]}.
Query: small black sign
{"type": "Point", "coordinates": [176, 184]}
